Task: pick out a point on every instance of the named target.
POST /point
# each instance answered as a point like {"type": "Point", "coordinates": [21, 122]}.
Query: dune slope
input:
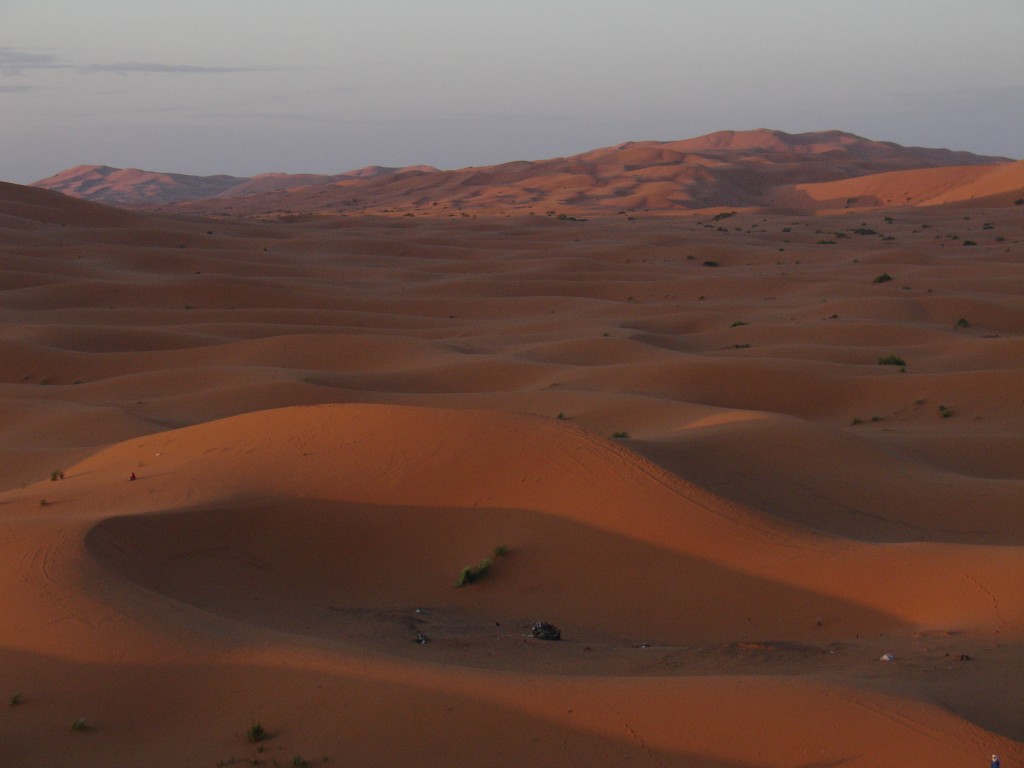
{"type": "Point", "coordinates": [329, 419]}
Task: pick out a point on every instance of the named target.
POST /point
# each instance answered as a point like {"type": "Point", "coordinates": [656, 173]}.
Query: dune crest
{"type": "Point", "coordinates": [726, 169]}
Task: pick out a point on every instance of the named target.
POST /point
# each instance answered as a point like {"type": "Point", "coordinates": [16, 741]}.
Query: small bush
{"type": "Point", "coordinates": [57, 474]}
{"type": "Point", "coordinates": [945, 412]}
{"type": "Point", "coordinates": [969, 242]}
{"type": "Point", "coordinates": [737, 324]}
{"type": "Point", "coordinates": [16, 699]}
{"type": "Point", "coordinates": [501, 550]}
{"type": "Point", "coordinates": [80, 725]}
{"type": "Point", "coordinates": [885, 277]}
{"type": "Point", "coordinates": [962, 323]}
{"type": "Point", "coordinates": [298, 762]}
{"type": "Point", "coordinates": [256, 733]}
{"type": "Point", "coordinates": [471, 574]}
{"type": "Point", "coordinates": [620, 435]}
{"type": "Point", "coordinates": [710, 263]}
{"type": "Point", "coordinates": [891, 360]}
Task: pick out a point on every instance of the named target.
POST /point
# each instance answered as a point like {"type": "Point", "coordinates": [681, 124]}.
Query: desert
{"type": "Point", "coordinates": [740, 415]}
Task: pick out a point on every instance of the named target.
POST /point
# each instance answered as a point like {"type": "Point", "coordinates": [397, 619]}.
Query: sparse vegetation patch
{"type": "Point", "coordinates": [471, 574]}
{"type": "Point", "coordinates": [256, 733]}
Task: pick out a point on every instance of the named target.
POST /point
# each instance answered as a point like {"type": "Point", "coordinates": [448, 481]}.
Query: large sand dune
{"type": "Point", "coordinates": [327, 420]}
{"type": "Point", "coordinates": [737, 169]}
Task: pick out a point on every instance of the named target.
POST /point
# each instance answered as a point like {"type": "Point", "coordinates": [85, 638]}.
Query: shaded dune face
{"type": "Point", "coordinates": [310, 567]}
{"type": "Point", "coordinates": [441, 488]}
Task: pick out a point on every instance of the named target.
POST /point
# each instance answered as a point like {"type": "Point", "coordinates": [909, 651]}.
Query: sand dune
{"type": "Point", "coordinates": [727, 169]}
{"type": "Point", "coordinates": [965, 185]}
{"type": "Point", "coordinates": [132, 186]}
{"type": "Point", "coordinates": [329, 419]}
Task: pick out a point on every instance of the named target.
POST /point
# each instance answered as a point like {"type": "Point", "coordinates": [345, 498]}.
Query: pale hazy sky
{"type": "Point", "coordinates": [250, 86]}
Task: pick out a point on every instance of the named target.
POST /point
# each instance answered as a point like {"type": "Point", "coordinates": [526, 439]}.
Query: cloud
{"type": "Point", "coordinates": [16, 88]}
{"type": "Point", "coordinates": [14, 62]}
{"type": "Point", "coordinates": [154, 68]}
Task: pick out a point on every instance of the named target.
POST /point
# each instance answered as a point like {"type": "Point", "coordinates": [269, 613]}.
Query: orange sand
{"type": "Point", "coordinates": [328, 419]}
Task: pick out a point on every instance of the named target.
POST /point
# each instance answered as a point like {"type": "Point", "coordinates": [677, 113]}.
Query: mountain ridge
{"type": "Point", "coordinates": [720, 169]}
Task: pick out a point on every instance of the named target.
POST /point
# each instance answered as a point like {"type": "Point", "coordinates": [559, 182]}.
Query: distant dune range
{"type": "Point", "coordinates": [739, 169]}
{"type": "Point", "coordinates": [735, 447]}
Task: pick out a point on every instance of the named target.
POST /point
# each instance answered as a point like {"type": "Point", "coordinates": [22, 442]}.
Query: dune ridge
{"type": "Point", "coordinates": [745, 169]}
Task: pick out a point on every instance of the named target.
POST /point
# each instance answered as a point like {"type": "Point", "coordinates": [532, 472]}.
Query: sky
{"type": "Point", "coordinates": [323, 86]}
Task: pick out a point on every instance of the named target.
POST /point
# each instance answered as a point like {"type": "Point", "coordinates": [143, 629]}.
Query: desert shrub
{"type": "Point", "coordinates": [256, 733]}
{"type": "Point", "coordinates": [891, 360]}
{"type": "Point", "coordinates": [15, 700]}
{"type": "Point", "coordinates": [945, 412]}
{"type": "Point", "coordinates": [962, 323]}
{"type": "Point", "coordinates": [80, 725]}
{"type": "Point", "coordinates": [737, 324]}
{"type": "Point", "coordinates": [473, 573]}
{"type": "Point", "coordinates": [620, 435]}
{"type": "Point", "coordinates": [57, 474]}
{"type": "Point", "coordinates": [968, 242]}
{"type": "Point", "coordinates": [710, 263]}
{"type": "Point", "coordinates": [885, 277]}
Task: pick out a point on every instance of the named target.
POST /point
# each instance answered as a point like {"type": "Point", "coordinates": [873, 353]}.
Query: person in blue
{"type": "Point", "coordinates": [995, 761]}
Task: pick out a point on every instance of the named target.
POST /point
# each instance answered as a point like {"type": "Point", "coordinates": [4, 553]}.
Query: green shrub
{"type": "Point", "coordinates": [80, 725]}
{"type": "Point", "coordinates": [471, 574]}
{"type": "Point", "coordinates": [945, 412]}
{"type": "Point", "coordinates": [891, 360]}
{"type": "Point", "coordinates": [885, 277]}
{"type": "Point", "coordinates": [256, 733]}
{"type": "Point", "coordinates": [962, 323]}
{"type": "Point", "coordinates": [57, 474]}
{"type": "Point", "coordinates": [620, 435]}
